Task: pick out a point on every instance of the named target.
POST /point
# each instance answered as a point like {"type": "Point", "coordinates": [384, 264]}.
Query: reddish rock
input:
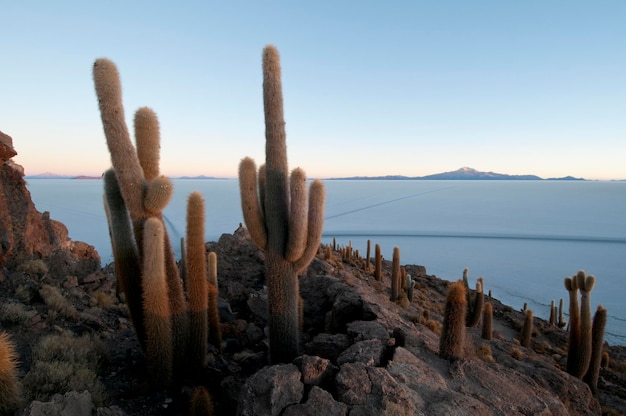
{"type": "Point", "coordinates": [26, 234]}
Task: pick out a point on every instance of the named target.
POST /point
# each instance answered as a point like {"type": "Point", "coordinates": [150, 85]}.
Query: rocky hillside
{"type": "Point", "coordinates": [362, 353]}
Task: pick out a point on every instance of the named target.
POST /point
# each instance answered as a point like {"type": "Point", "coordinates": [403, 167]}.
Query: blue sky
{"type": "Point", "coordinates": [371, 88]}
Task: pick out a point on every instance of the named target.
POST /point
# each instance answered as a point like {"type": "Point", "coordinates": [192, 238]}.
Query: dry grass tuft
{"type": "Point", "coordinates": [516, 353]}
{"type": "Point", "coordinates": [15, 313]}
{"type": "Point", "coordinates": [35, 268]}
{"type": "Point", "coordinates": [484, 353]}
{"type": "Point", "coordinates": [63, 363]}
{"type": "Point", "coordinates": [54, 300]}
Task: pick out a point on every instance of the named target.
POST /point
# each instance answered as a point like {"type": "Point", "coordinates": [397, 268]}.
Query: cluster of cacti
{"type": "Point", "coordinates": [452, 340]}
{"type": "Point", "coordinates": [476, 310]}
{"type": "Point", "coordinates": [135, 195]}
{"type": "Point", "coordinates": [585, 340]}
{"type": "Point", "coordinates": [579, 351]}
{"type": "Point", "coordinates": [274, 206]}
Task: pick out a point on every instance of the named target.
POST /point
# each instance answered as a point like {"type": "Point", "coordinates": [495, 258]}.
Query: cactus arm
{"type": "Point", "coordinates": [147, 141]}
{"type": "Point", "coordinates": [123, 155]}
{"type": "Point", "coordinates": [158, 323]}
{"type": "Point", "coordinates": [297, 237]}
{"type": "Point", "coordinates": [158, 194]}
{"type": "Point", "coordinates": [317, 200]}
{"type": "Point", "coordinates": [250, 206]}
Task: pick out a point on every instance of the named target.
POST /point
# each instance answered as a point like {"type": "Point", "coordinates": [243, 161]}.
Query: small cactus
{"type": "Point", "coordinates": [593, 372]}
{"type": "Point", "coordinates": [527, 329]}
{"type": "Point", "coordinates": [378, 263]}
{"type": "Point", "coordinates": [487, 329]}
{"type": "Point", "coordinates": [215, 329]}
{"type": "Point", "coordinates": [396, 275]}
{"type": "Point", "coordinates": [452, 340]}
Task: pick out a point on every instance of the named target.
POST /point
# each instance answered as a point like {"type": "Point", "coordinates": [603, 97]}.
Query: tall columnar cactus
{"type": "Point", "coordinates": [144, 194]}
{"type": "Point", "coordinates": [367, 257]}
{"type": "Point", "coordinates": [585, 285]}
{"type": "Point", "coordinates": [487, 328]}
{"type": "Point", "coordinates": [452, 340]}
{"type": "Point", "coordinates": [159, 346]}
{"type": "Point", "coordinates": [197, 283]}
{"type": "Point", "coordinates": [215, 330]}
{"type": "Point", "coordinates": [599, 325]}
{"type": "Point", "coordinates": [396, 275]}
{"type": "Point", "coordinates": [527, 329]}
{"type": "Point", "coordinates": [580, 339]}
{"type": "Point", "coordinates": [275, 211]}
{"type": "Point", "coordinates": [553, 313]}
{"type": "Point", "coordinates": [571, 285]}
{"type": "Point", "coordinates": [378, 263]}
{"type": "Point", "coordinates": [127, 267]}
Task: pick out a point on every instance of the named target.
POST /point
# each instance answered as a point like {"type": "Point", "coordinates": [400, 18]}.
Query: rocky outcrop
{"type": "Point", "coordinates": [27, 234]}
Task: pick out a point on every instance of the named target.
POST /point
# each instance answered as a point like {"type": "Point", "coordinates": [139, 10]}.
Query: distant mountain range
{"type": "Point", "coordinates": [463, 173]}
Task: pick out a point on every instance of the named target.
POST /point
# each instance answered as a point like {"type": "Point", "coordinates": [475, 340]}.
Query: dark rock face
{"type": "Point", "coordinates": [27, 234]}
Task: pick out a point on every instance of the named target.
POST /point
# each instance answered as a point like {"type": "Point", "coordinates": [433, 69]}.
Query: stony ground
{"type": "Point", "coordinates": [344, 306]}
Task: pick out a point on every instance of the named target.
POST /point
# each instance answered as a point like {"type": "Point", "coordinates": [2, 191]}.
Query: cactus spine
{"type": "Point", "coordinates": [487, 329]}
{"type": "Point", "coordinates": [197, 283]}
{"type": "Point", "coordinates": [215, 330]}
{"type": "Point", "coordinates": [527, 329]}
{"type": "Point", "coordinates": [452, 340]}
{"type": "Point", "coordinates": [599, 325]}
{"type": "Point", "coordinates": [396, 275]}
{"type": "Point", "coordinates": [277, 218]}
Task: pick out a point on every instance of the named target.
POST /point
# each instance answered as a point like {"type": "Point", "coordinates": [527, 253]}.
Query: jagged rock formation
{"type": "Point", "coordinates": [27, 234]}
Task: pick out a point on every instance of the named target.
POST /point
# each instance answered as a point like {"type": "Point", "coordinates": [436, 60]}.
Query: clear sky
{"type": "Point", "coordinates": [371, 87]}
